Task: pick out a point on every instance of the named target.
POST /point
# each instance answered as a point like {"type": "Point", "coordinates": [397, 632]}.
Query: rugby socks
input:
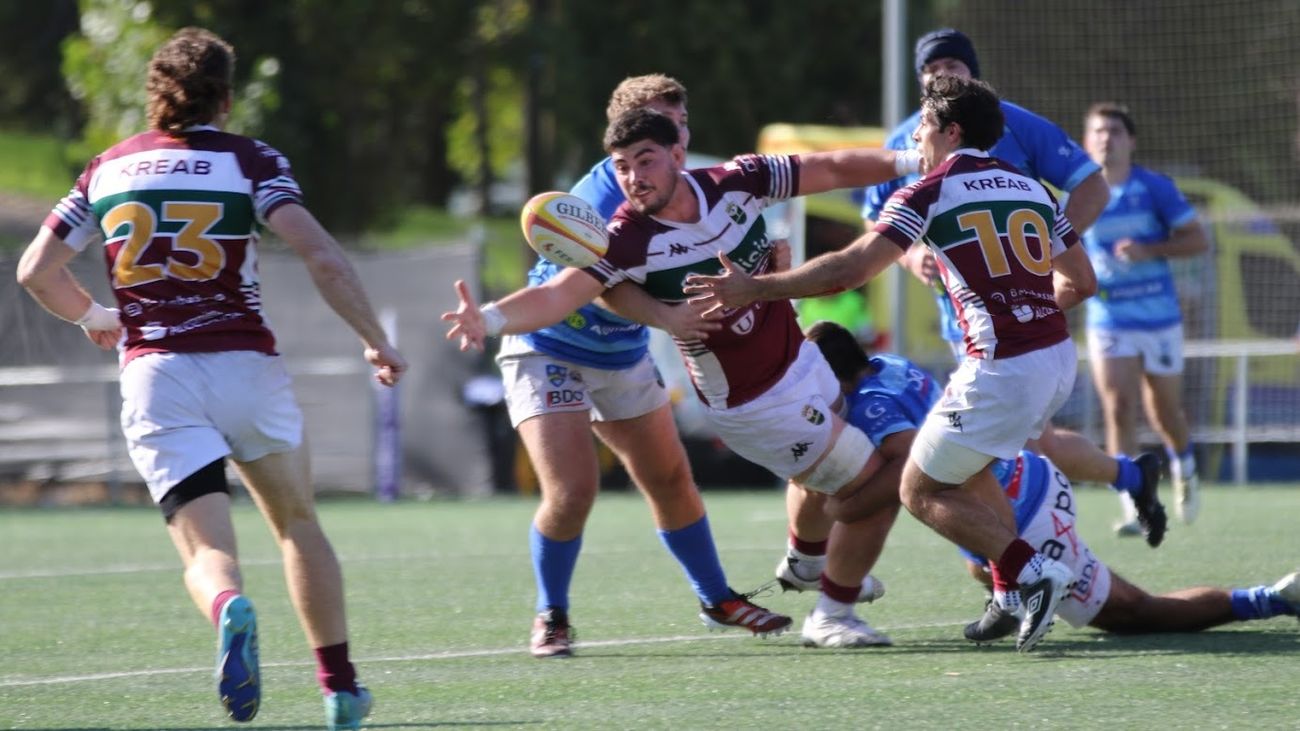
{"type": "Point", "coordinates": [220, 603]}
{"type": "Point", "coordinates": [694, 549]}
{"type": "Point", "coordinates": [1129, 477]}
{"type": "Point", "coordinates": [553, 563]}
{"type": "Point", "coordinates": [1259, 602]}
{"type": "Point", "coordinates": [836, 600]}
{"type": "Point", "coordinates": [1182, 465]}
{"type": "Point", "coordinates": [334, 671]}
{"type": "Point", "coordinates": [807, 550]}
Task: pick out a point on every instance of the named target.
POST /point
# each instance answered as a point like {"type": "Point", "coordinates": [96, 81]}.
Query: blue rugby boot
{"type": "Point", "coordinates": [239, 682]}
{"type": "Point", "coordinates": [344, 710]}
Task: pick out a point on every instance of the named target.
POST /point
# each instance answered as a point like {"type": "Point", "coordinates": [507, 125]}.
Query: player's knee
{"type": "Point", "coordinates": [209, 479]}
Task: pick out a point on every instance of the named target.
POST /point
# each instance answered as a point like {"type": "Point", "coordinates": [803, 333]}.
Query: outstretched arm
{"type": "Point", "coordinates": [338, 285]}
{"type": "Point", "coordinates": [522, 311]}
{"type": "Point", "coordinates": [853, 168]}
{"type": "Point", "coordinates": [682, 320]}
{"type": "Point", "coordinates": [836, 271]}
{"type": "Point", "coordinates": [43, 271]}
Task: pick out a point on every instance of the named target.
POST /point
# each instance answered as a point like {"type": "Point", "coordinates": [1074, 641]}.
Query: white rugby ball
{"type": "Point", "coordinates": [564, 229]}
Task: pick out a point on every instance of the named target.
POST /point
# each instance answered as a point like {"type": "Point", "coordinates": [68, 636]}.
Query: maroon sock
{"type": "Point", "coordinates": [1006, 571]}
{"type": "Point", "coordinates": [333, 670]}
{"type": "Point", "coordinates": [219, 603]}
{"type": "Point", "coordinates": [839, 592]}
{"type": "Point", "coordinates": [807, 548]}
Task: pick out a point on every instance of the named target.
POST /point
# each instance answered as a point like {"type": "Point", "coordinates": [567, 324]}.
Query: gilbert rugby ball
{"type": "Point", "coordinates": [564, 229]}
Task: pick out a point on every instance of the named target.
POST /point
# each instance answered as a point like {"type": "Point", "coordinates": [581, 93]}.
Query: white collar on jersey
{"type": "Point", "coordinates": [200, 128]}
{"type": "Point", "coordinates": [967, 151]}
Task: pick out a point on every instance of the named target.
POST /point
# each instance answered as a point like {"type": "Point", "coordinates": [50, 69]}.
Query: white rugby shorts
{"type": "Point", "coordinates": [787, 428]}
{"type": "Point", "coordinates": [182, 411]}
{"type": "Point", "coordinates": [993, 406]}
{"type": "Point", "coordinates": [1161, 351]}
{"type": "Point", "coordinates": [1052, 532]}
{"type": "Point", "coordinates": [536, 384]}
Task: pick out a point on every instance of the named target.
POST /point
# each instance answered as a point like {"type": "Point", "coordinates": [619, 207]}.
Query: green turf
{"type": "Point", "coordinates": [440, 598]}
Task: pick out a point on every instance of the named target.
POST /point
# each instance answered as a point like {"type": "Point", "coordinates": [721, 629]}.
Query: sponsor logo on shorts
{"type": "Point", "coordinates": [954, 420]}
{"type": "Point", "coordinates": [799, 449]}
{"type": "Point", "coordinates": [556, 374]}
{"type": "Point", "coordinates": [565, 397]}
{"type": "Point", "coordinates": [813, 416]}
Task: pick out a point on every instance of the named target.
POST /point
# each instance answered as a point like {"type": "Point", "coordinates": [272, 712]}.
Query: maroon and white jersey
{"type": "Point", "coordinates": [756, 343]}
{"type": "Point", "coordinates": [180, 219]}
{"type": "Point", "coordinates": [993, 232]}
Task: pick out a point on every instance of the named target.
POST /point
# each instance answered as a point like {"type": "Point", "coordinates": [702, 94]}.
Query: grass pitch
{"type": "Point", "coordinates": [96, 631]}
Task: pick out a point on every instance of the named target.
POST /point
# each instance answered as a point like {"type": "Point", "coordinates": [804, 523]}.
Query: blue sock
{"type": "Point", "coordinates": [1259, 602]}
{"type": "Point", "coordinates": [1175, 456]}
{"type": "Point", "coordinates": [693, 548]}
{"type": "Point", "coordinates": [553, 563]}
{"type": "Point", "coordinates": [1130, 477]}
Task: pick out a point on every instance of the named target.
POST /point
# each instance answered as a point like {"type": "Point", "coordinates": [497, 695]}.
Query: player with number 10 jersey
{"type": "Point", "coordinates": [972, 212]}
{"type": "Point", "coordinates": [181, 218]}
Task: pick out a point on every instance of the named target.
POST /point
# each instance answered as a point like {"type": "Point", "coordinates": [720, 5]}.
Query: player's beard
{"type": "Point", "coordinates": [656, 203]}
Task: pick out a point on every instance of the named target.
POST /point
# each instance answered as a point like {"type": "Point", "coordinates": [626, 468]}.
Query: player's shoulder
{"type": "Point", "coordinates": [1014, 114]}
{"type": "Point", "coordinates": [1152, 178]}
{"type": "Point", "coordinates": [626, 225]}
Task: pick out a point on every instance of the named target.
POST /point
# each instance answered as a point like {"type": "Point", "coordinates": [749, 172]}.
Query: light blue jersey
{"type": "Point", "coordinates": [1035, 146]}
{"type": "Point", "coordinates": [1136, 295]}
{"type": "Point", "coordinates": [893, 399]}
{"type": "Point", "coordinates": [591, 336]}
{"type": "Point", "coordinates": [1025, 480]}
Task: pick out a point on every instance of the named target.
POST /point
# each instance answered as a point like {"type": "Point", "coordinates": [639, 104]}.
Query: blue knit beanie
{"type": "Point", "coordinates": [946, 43]}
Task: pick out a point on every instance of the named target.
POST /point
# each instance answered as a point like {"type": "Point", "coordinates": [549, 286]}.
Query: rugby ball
{"type": "Point", "coordinates": [564, 229]}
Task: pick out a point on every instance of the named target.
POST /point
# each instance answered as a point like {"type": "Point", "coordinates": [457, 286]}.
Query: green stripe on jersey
{"type": "Point", "coordinates": [666, 283]}
{"type": "Point", "coordinates": [237, 218]}
{"type": "Point", "coordinates": [945, 231]}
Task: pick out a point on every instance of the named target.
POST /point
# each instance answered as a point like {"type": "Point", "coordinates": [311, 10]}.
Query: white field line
{"type": "Point", "coordinates": [423, 657]}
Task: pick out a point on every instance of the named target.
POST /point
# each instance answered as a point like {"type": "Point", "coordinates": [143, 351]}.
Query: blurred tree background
{"type": "Point", "coordinates": [383, 105]}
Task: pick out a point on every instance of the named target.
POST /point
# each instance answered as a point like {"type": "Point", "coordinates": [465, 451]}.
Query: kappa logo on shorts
{"type": "Point", "coordinates": [556, 374]}
{"type": "Point", "coordinates": [954, 420]}
{"type": "Point", "coordinates": [800, 449]}
{"type": "Point", "coordinates": [812, 415]}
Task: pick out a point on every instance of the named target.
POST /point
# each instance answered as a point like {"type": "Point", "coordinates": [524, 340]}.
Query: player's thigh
{"type": "Point", "coordinates": [650, 449]}
{"type": "Point", "coordinates": [165, 419]}
{"type": "Point", "coordinates": [1163, 396]}
{"type": "Point", "coordinates": [1116, 363]}
{"type": "Point", "coordinates": [202, 524]}
{"type": "Point", "coordinates": [281, 486]}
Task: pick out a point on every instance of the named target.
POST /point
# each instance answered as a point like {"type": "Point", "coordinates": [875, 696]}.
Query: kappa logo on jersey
{"type": "Point", "coordinates": [799, 449]}
{"type": "Point", "coordinates": [556, 374]}
{"type": "Point", "coordinates": [744, 325]}
{"type": "Point", "coordinates": [675, 249]}
{"type": "Point", "coordinates": [735, 213]}
{"type": "Point", "coordinates": [813, 416]}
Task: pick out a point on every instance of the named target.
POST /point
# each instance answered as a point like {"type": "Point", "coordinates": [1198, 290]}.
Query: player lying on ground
{"type": "Point", "coordinates": [887, 397]}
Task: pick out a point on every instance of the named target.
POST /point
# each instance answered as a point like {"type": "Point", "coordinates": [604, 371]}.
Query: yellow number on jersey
{"type": "Point", "coordinates": [1018, 225]}
{"type": "Point", "coordinates": [141, 222]}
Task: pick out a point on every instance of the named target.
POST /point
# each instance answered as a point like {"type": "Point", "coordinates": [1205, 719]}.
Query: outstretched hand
{"type": "Point", "coordinates": [467, 321]}
{"type": "Point", "coordinates": [732, 288]}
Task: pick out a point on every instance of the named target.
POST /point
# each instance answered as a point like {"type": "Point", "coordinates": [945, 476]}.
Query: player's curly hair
{"type": "Point", "coordinates": [641, 124]}
{"type": "Point", "coordinates": [970, 103]}
{"type": "Point", "coordinates": [841, 350]}
{"type": "Point", "coordinates": [637, 91]}
{"type": "Point", "coordinates": [189, 77]}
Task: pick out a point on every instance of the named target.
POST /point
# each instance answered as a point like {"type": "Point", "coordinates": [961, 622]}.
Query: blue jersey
{"type": "Point", "coordinates": [1035, 146]}
{"type": "Point", "coordinates": [1025, 480]}
{"type": "Point", "coordinates": [591, 336]}
{"type": "Point", "coordinates": [1136, 295]}
{"type": "Point", "coordinates": [893, 399]}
